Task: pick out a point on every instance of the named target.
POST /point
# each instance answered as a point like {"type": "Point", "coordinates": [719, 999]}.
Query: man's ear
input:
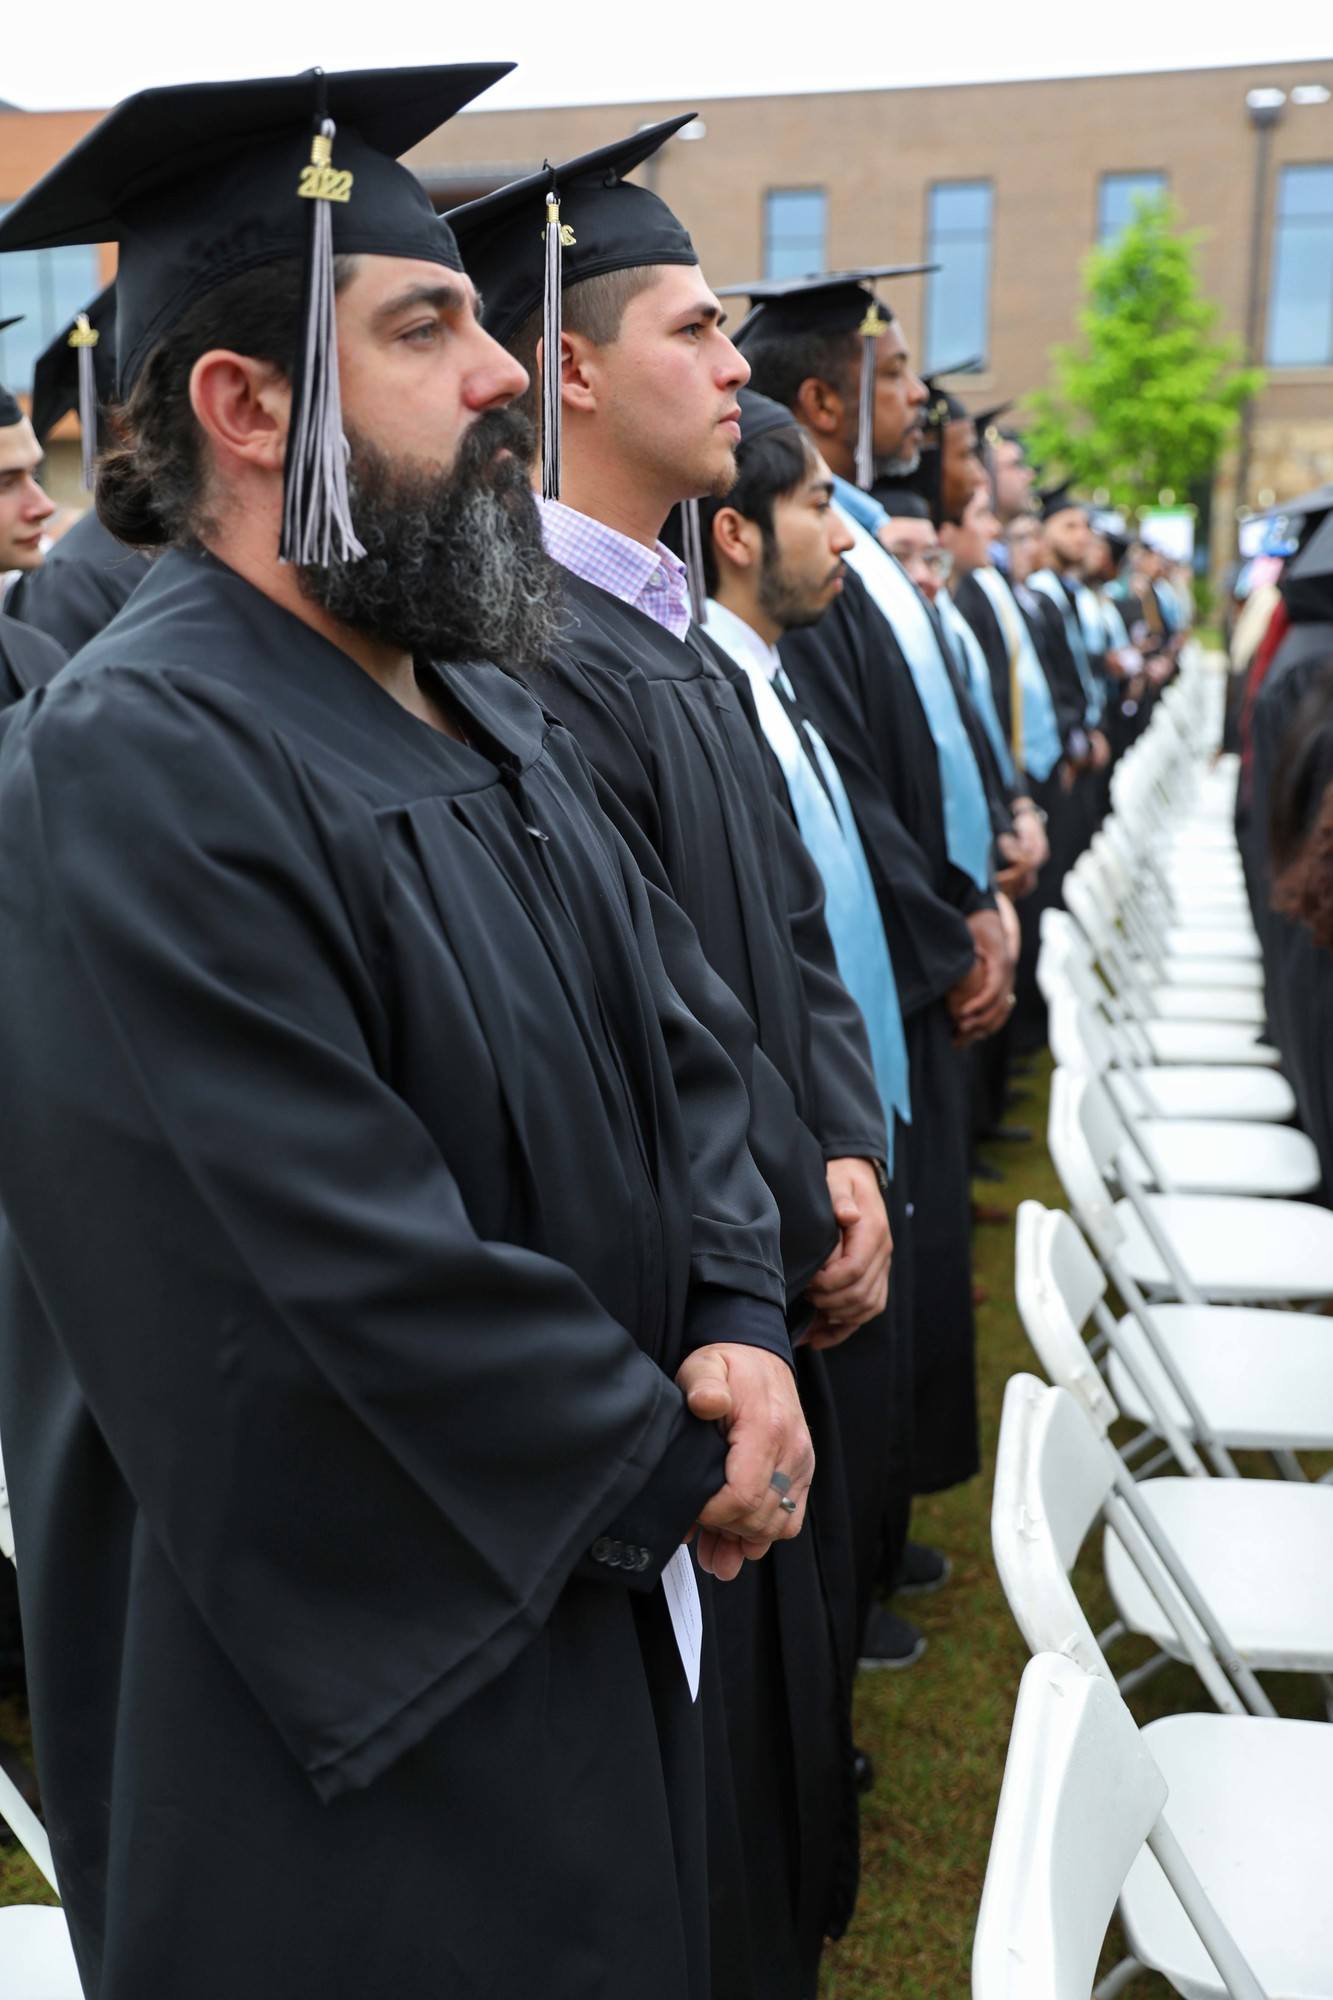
{"type": "Point", "coordinates": [819, 407]}
{"type": "Point", "coordinates": [580, 373]}
{"type": "Point", "coordinates": [737, 540]}
{"type": "Point", "coordinates": [244, 406]}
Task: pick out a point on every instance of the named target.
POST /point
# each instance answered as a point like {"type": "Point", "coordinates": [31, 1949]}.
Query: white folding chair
{"type": "Point", "coordinates": [1193, 1247]}
{"type": "Point", "coordinates": [1251, 1797]}
{"type": "Point", "coordinates": [1256, 1550]}
{"type": "Point", "coordinates": [1138, 984]}
{"type": "Point", "coordinates": [1186, 1154]}
{"type": "Point", "coordinates": [1081, 1797]}
{"type": "Point", "coordinates": [1224, 1378]}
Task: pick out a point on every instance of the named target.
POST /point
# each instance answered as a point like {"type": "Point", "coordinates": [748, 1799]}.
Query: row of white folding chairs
{"type": "Point", "coordinates": [36, 1956]}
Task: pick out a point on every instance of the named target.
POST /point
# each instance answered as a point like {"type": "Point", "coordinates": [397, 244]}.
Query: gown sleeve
{"type": "Point", "coordinates": [373, 1446]}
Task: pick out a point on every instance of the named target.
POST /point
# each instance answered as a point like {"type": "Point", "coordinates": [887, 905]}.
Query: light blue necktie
{"type": "Point", "coordinates": [967, 827]}
{"type": "Point", "coordinates": [973, 663]}
{"type": "Point", "coordinates": [851, 908]}
{"type": "Point", "coordinates": [1041, 730]}
{"type": "Point", "coordinates": [1049, 584]}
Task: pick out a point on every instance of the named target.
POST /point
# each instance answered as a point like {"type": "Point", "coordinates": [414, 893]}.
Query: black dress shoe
{"type": "Point", "coordinates": [890, 1641]}
{"type": "Point", "coordinates": [986, 1170]}
{"type": "Point", "coordinates": [923, 1569]}
{"type": "Point", "coordinates": [1009, 1135]}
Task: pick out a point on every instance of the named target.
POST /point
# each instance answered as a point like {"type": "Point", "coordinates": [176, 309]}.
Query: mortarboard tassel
{"type": "Point", "coordinates": [84, 339]}
{"type": "Point", "coordinates": [316, 510]}
{"type": "Point", "coordinates": [552, 319]}
{"type": "Point", "coordinates": [692, 541]}
{"type": "Point", "coordinates": [870, 329]}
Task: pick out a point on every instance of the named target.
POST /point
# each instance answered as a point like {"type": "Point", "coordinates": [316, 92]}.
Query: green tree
{"type": "Point", "coordinates": [1149, 397]}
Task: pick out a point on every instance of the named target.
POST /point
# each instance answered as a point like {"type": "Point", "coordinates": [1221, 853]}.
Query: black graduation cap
{"type": "Point", "coordinates": [525, 242]}
{"type": "Point", "coordinates": [987, 422]}
{"type": "Point", "coordinates": [828, 302]}
{"type": "Point", "coordinates": [202, 181]}
{"type": "Point", "coordinates": [1316, 558]}
{"type": "Point", "coordinates": [10, 413]}
{"type": "Point", "coordinates": [1059, 500]}
{"type": "Point", "coordinates": [78, 372]}
{"type": "Point", "coordinates": [1303, 507]}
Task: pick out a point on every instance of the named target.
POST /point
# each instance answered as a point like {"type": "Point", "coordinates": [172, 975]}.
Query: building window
{"type": "Point", "coordinates": [795, 225]}
{"type": "Point", "coordinates": [958, 239]}
{"type": "Point", "coordinates": [1118, 198]}
{"type": "Point", "coordinates": [1300, 303]}
{"type": "Point", "coordinates": [48, 287]}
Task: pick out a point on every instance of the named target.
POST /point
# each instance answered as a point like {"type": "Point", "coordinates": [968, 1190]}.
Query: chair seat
{"type": "Point", "coordinates": [1213, 1156]}
{"type": "Point", "coordinates": [1251, 1803]}
{"type": "Point", "coordinates": [1261, 1553]}
{"type": "Point", "coordinates": [36, 1957]}
{"type": "Point", "coordinates": [1173, 1000]}
{"type": "Point", "coordinates": [1180, 1091]}
{"type": "Point", "coordinates": [1263, 1378]}
{"type": "Point", "coordinates": [1234, 1247]}
{"type": "Point", "coordinates": [1211, 941]}
{"type": "Point", "coordinates": [1208, 1042]}
{"type": "Point", "coordinates": [1244, 974]}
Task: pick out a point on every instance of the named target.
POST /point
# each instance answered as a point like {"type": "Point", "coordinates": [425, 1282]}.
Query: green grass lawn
{"type": "Point", "coordinates": [938, 1733]}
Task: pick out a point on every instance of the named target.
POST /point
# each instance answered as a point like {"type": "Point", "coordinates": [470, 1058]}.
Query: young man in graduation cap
{"type": "Point", "coordinates": [638, 412]}
{"type": "Point", "coordinates": [771, 554]}
{"type": "Point", "coordinates": [875, 676]}
{"type": "Point", "coordinates": [28, 659]}
{"type": "Point", "coordinates": [88, 575]}
{"type": "Point", "coordinates": [382, 1246]}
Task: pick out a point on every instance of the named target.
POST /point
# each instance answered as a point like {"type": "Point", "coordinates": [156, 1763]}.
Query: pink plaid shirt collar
{"type": "Point", "coordinates": [652, 580]}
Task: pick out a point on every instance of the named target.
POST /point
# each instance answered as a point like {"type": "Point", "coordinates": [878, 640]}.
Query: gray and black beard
{"type": "Point", "coordinates": [901, 467]}
{"type": "Point", "coordinates": [454, 568]}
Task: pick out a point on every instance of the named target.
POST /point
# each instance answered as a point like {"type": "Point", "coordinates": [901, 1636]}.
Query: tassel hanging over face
{"type": "Point", "coordinates": [84, 339]}
{"type": "Point", "coordinates": [870, 329]}
{"type": "Point", "coordinates": [316, 510]}
{"type": "Point", "coordinates": [558, 238]}
{"type": "Point", "coordinates": [691, 535]}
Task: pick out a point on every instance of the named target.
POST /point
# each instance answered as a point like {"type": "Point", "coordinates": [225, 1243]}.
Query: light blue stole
{"type": "Point", "coordinates": [829, 830]}
{"type": "Point", "coordinates": [1041, 729]}
{"type": "Point", "coordinates": [974, 665]}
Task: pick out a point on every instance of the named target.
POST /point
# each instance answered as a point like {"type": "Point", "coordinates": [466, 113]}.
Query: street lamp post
{"type": "Point", "coordinates": [1265, 109]}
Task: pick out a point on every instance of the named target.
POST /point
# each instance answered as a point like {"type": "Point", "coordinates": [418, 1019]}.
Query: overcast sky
{"type": "Point", "coordinates": [76, 54]}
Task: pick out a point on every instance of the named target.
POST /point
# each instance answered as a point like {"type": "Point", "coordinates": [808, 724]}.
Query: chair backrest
{"type": "Point", "coordinates": [1057, 1283]}
{"type": "Point", "coordinates": [1082, 899]}
{"type": "Point", "coordinates": [1080, 1039]}
{"type": "Point", "coordinates": [1080, 1796]}
{"type": "Point", "coordinates": [1079, 1163]}
{"type": "Point", "coordinates": [1051, 1481]}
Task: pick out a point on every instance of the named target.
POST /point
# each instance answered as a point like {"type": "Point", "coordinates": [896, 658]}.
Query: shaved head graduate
{"type": "Point", "coordinates": [388, 1292]}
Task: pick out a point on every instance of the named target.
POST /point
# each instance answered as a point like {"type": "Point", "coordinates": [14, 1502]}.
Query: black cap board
{"type": "Point", "coordinates": [10, 413]}
{"type": "Point", "coordinates": [200, 182]}
{"type": "Point", "coordinates": [1059, 500]}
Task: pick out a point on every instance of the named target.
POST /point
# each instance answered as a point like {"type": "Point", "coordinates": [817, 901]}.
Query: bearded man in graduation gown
{"type": "Point", "coordinates": [383, 1251]}
{"type": "Point", "coordinates": [639, 412]}
{"type": "Point", "coordinates": [27, 659]}
{"type": "Point", "coordinates": [931, 859]}
{"type": "Point", "coordinates": [88, 575]}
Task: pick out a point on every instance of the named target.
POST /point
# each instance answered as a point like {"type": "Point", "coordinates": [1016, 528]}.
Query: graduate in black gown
{"type": "Point", "coordinates": [88, 575]}
{"type": "Point", "coordinates": [27, 659]}
{"type": "Point", "coordinates": [808, 347]}
{"type": "Point", "coordinates": [382, 1241]}
{"type": "Point", "coordinates": [639, 412]}
{"type": "Point", "coordinates": [1298, 972]}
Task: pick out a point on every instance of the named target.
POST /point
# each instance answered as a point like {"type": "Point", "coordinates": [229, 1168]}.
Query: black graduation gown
{"type": "Point", "coordinates": [851, 672]}
{"type": "Point", "coordinates": [674, 736]}
{"type": "Point", "coordinates": [365, 1183]}
{"type": "Point", "coordinates": [80, 587]}
{"type": "Point", "coordinates": [28, 659]}
{"type": "Point", "coordinates": [1298, 973]}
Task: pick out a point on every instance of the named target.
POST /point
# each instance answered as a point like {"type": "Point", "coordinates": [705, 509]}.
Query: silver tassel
{"type": "Point", "coordinates": [865, 417]}
{"type": "Point", "coordinates": [83, 340]}
{"type": "Point", "coordinates": [551, 328]}
{"type": "Point", "coordinates": [316, 510]}
{"type": "Point", "coordinates": [691, 535]}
